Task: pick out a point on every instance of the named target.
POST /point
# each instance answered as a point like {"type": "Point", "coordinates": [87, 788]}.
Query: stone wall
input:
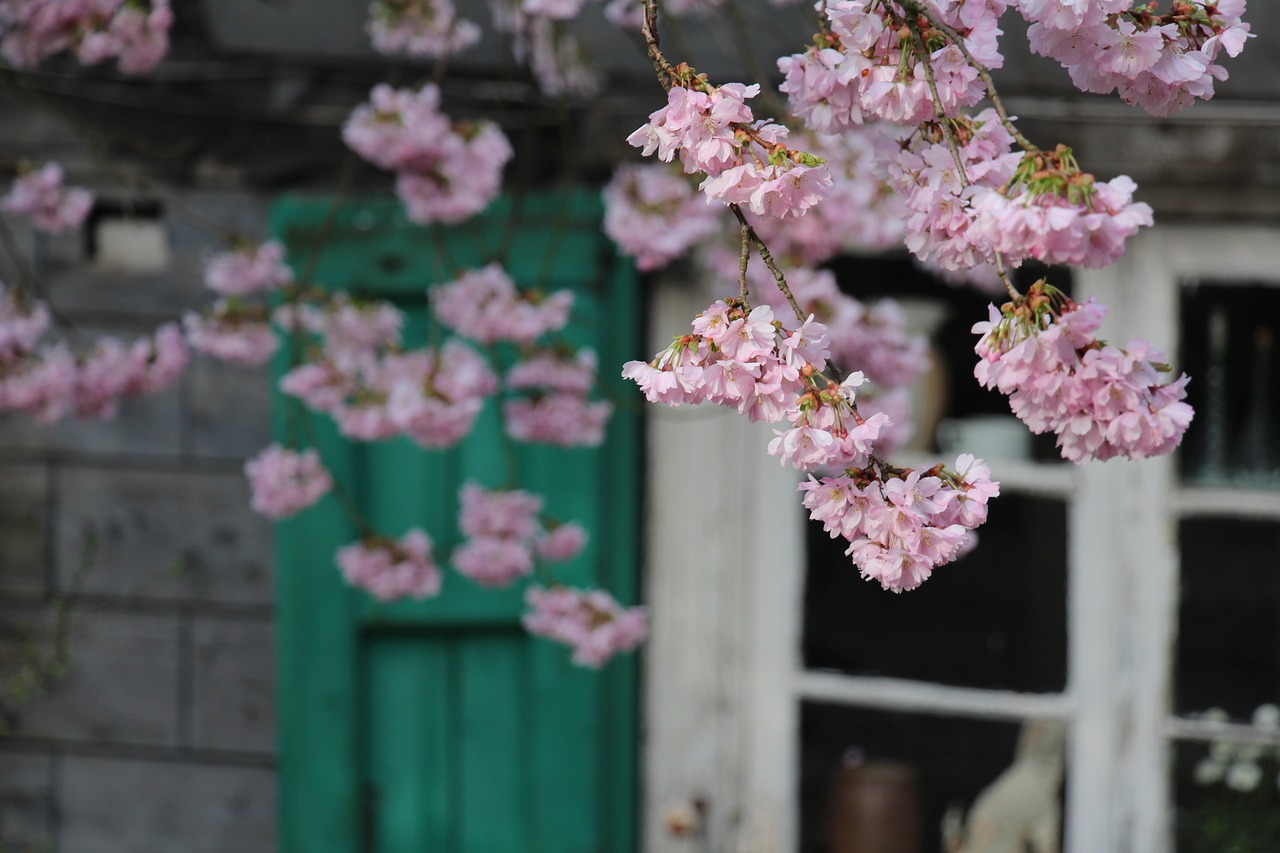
{"type": "Point", "coordinates": [160, 734]}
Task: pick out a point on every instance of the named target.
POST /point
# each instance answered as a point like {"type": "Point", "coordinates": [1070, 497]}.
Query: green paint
{"type": "Point", "coordinates": [440, 725]}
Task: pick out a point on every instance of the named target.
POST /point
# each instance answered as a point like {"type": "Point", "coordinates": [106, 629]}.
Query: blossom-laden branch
{"type": "Point", "coordinates": [895, 79]}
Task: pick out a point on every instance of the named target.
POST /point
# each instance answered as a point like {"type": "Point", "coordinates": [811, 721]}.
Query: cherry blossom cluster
{"type": "Point", "coordinates": [591, 622]}
{"type": "Point", "coordinates": [233, 331]}
{"type": "Point", "coordinates": [251, 269]}
{"type": "Point", "coordinates": [375, 390]}
{"type": "Point", "coordinates": [870, 64]}
{"type": "Point", "coordinates": [901, 524]}
{"type": "Point", "coordinates": [1053, 212]}
{"type": "Point", "coordinates": [1162, 62]}
{"type": "Point", "coordinates": [391, 569]}
{"type": "Point", "coordinates": [1101, 401]}
{"type": "Point", "coordinates": [420, 28]}
{"type": "Point", "coordinates": [49, 382]}
{"type": "Point", "coordinates": [431, 395]}
{"type": "Point", "coordinates": [486, 306]}
{"type": "Point", "coordinates": [235, 328]}
{"type": "Point", "coordinates": [737, 356]}
{"type": "Point", "coordinates": [713, 131]}
{"type": "Point", "coordinates": [505, 535]}
{"type": "Point", "coordinates": [550, 402]}
{"type": "Point", "coordinates": [52, 206]}
{"type": "Point", "coordinates": [654, 214]}
{"type": "Point", "coordinates": [445, 171]}
{"type": "Point", "coordinates": [283, 482]}
{"type": "Point", "coordinates": [861, 213]}
{"type": "Point", "coordinates": [937, 195]}
{"type": "Point", "coordinates": [873, 336]}
{"type": "Point", "coordinates": [827, 430]}
{"type": "Point", "coordinates": [353, 331]}
{"type": "Point", "coordinates": [135, 33]}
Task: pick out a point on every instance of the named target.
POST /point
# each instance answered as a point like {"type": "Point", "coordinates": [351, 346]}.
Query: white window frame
{"type": "Point", "coordinates": [724, 675]}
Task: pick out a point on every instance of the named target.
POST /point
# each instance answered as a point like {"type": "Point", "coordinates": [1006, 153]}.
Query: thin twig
{"type": "Point", "coordinates": [767, 257]}
{"type": "Point", "coordinates": [948, 133]}
{"type": "Point", "coordinates": [958, 40]}
{"type": "Point", "coordinates": [743, 259]}
{"type": "Point", "coordinates": [661, 67]}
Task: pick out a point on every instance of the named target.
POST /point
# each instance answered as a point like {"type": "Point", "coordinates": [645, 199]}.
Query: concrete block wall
{"type": "Point", "coordinates": [160, 735]}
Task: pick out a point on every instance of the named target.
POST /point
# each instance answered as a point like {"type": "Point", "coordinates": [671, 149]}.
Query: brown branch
{"type": "Point", "coordinates": [661, 67]}
{"type": "Point", "coordinates": [767, 257]}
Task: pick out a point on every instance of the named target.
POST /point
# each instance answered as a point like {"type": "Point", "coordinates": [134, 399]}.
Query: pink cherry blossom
{"type": "Point", "coordinates": [562, 542]}
{"type": "Point", "coordinates": [1101, 401]}
{"type": "Point", "coordinates": [284, 482]}
{"type": "Point", "coordinates": [425, 28]}
{"type": "Point", "coordinates": [901, 525]}
{"type": "Point", "coordinates": [136, 33]}
{"type": "Point", "coordinates": [713, 131]}
{"type": "Point", "coordinates": [53, 208]}
{"type": "Point", "coordinates": [445, 171]}
{"type": "Point", "coordinates": [1162, 63]}
{"type": "Point", "coordinates": [23, 322]}
{"type": "Point", "coordinates": [494, 561]}
{"type": "Point", "coordinates": [561, 418]}
{"type": "Point", "coordinates": [510, 514]}
{"type": "Point", "coordinates": [485, 306]}
{"type": "Point", "coordinates": [233, 333]}
{"type": "Point", "coordinates": [250, 270]}
{"type": "Point", "coordinates": [655, 215]}
{"type": "Point", "coordinates": [391, 569]}
{"type": "Point", "coordinates": [589, 621]}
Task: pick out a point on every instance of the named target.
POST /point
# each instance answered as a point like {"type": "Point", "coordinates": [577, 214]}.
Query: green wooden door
{"type": "Point", "coordinates": [440, 725]}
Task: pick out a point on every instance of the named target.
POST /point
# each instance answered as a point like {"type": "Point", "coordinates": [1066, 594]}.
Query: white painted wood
{"type": "Point", "coordinates": [725, 552]}
{"type": "Point", "coordinates": [693, 590]}
{"type": "Point", "coordinates": [1183, 728]}
{"type": "Point", "coordinates": [903, 695]}
{"type": "Point", "coordinates": [1094, 621]}
{"type": "Point", "coordinates": [775, 572]}
{"type": "Point", "coordinates": [1240, 503]}
{"type": "Point", "coordinates": [1124, 533]}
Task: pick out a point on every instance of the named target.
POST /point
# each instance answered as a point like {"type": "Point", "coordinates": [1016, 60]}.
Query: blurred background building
{"type": "Point", "coordinates": [1107, 608]}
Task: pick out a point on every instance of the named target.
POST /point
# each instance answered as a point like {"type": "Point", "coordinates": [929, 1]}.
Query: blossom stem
{"type": "Point", "coordinates": [949, 134]}
{"type": "Point", "coordinates": [767, 257]}
{"type": "Point", "coordinates": [919, 9]}
{"type": "Point", "coordinates": [661, 67]}
{"type": "Point", "coordinates": [1004, 278]}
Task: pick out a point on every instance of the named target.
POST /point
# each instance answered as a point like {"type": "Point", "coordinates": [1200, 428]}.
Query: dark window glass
{"type": "Point", "coordinates": [1228, 653]}
{"type": "Point", "coordinates": [1231, 349]}
{"type": "Point", "coordinates": [1226, 797]}
{"type": "Point", "coordinates": [996, 618]}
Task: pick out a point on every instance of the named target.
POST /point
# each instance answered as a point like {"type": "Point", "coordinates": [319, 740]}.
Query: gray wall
{"type": "Point", "coordinates": [160, 736]}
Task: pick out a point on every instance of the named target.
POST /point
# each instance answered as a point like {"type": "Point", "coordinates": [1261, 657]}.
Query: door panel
{"type": "Point", "coordinates": [440, 725]}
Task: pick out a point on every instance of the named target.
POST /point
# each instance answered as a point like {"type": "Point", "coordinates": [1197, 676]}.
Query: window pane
{"type": "Point", "coordinates": [996, 618]}
{"type": "Point", "coordinates": [1229, 345]}
{"type": "Point", "coordinates": [881, 781]}
{"type": "Point", "coordinates": [1226, 797]}
{"type": "Point", "coordinates": [1229, 616]}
